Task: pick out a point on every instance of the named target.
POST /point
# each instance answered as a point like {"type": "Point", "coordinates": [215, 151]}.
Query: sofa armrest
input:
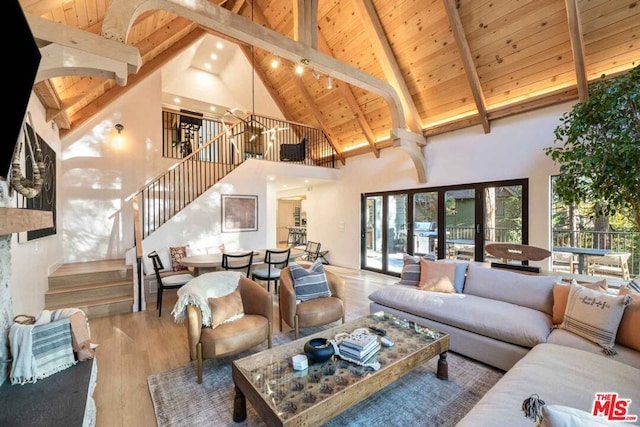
{"type": "Point", "coordinates": [287, 296]}
{"type": "Point", "coordinates": [255, 299]}
{"type": "Point", "coordinates": [194, 327]}
{"type": "Point", "coordinates": [337, 286]}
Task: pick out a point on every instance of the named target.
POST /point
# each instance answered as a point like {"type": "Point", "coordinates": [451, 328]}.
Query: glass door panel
{"type": "Point", "coordinates": [503, 216]}
{"type": "Point", "coordinates": [373, 232]}
{"type": "Point", "coordinates": [396, 231]}
{"type": "Point", "coordinates": [460, 208]}
{"type": "Point", "coordinates": [425, 223]}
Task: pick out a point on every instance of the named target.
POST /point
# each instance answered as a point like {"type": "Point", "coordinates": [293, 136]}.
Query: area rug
{"type": "Point", "coordinates": [418, 398]}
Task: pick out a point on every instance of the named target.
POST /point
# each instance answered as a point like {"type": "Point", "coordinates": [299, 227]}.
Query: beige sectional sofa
{"type": "Point", "coordinates": [505, 319]}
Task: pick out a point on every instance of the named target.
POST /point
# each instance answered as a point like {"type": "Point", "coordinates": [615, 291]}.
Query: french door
{"type": "Point", "coordinates": [446, 222]}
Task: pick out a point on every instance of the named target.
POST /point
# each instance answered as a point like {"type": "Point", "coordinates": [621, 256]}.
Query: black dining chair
{"type": "Point", "coordinates": [240, 261]}
{"type": "Point", "coordinates": [174, 281]}
{"type": "Point", "coordinates": [275, 260]}
{"type": "Point", "coordinates": [311, 251]}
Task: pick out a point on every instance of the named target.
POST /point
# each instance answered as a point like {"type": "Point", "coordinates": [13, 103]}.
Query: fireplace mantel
{"type": "Point", "coordinates": [14, 220]}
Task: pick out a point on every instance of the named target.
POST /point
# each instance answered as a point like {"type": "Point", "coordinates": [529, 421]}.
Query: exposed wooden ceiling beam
{"type": "Point", "coordinates": [149, 68]}
{"type": "Point", "coordinates": [467, 62]}
{"type": "Point", "coordinates": [388, 62]}
{"type": "Point", "coordinates": [305, 22]}
{"type": "Point", "coordinates": [70, 51]}
{"type": "Point", "coordinates": [577, 46]}
{"type": "Point", "coordinates": [53, 106]}
{"type": "Point", "coordinates": [318, 116]}
{"type": "Point", "coordinates": [348, 95]}
{"type": "Point", "coordinates": [122, 13]}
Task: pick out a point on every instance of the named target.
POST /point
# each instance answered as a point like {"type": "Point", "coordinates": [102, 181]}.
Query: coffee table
{"type": "Point", "coordinates": [285, 397]}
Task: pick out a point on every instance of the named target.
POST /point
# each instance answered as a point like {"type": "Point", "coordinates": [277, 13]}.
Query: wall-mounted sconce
{"type": "Point", "coordinates": [118, 140]}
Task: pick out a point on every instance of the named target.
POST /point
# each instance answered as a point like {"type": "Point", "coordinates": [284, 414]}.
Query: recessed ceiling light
{"type": "Point", "coordinates": [212, 108]}
{"type": "Point", "coordinates": [214, 56]}
{"type": "Point", "coordinates": [177, 100]}
{"type": "Point", "coordinates": [299, 69]}
{"type": "Point", "coordinates": [207, 66]}
{"type": "Point", "coordinates": [275, 62]}
{"type": "Point", "coordinates": [219, 45]}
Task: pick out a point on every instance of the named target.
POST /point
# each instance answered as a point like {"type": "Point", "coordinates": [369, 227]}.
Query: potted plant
{"type": "Point", "coordinates": [597, 145]}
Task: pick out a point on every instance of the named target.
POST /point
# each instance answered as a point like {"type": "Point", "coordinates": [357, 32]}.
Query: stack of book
{"type": "Point", "coordinates": [359, 346]}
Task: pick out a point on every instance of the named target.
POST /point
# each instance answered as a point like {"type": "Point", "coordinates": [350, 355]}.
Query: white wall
{"type": "Point", "coordinates": [513, 150]}
{"type": "Point", "coordinates": [97, 176]}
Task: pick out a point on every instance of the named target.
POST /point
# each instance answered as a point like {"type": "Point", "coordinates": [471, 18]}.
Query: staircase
{"type": "Point", "coordinates": [99, 288]}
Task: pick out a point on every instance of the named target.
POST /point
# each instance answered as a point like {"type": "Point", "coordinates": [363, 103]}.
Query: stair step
{"type": "Point", "coordinates": [73, 295]}
{"type": "Point", "coordinates": [80, 274]}
{"type": "Point", "coordinates": [103, 307]}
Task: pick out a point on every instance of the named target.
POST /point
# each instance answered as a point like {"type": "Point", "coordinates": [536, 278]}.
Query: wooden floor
{"type": "Point", "coordinates": [135, 345]}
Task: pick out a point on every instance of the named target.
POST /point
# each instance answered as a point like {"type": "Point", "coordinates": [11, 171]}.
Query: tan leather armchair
{"type": "Point", "coordinates": [253, 328]}
{"type": "Point", "coordinates": [314, 312]}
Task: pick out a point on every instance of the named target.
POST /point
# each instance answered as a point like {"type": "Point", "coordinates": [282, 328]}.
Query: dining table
{"type": "Point", "coordinates": [204, 263]}
{"type": "Point", "coordinates": [582, 254]}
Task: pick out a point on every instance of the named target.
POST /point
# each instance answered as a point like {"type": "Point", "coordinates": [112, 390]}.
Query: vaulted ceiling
{"type": "Point", "coordinates": [451, 63]}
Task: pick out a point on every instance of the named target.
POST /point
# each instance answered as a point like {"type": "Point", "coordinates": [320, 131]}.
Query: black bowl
{"type": "Point", "coordinates": [319, 350]}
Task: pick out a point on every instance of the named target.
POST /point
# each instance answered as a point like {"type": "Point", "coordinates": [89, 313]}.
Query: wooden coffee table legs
{"type": "Point", "coordinates": [239, 406]}
{"type": "Point", "coordinates": [443, 367]}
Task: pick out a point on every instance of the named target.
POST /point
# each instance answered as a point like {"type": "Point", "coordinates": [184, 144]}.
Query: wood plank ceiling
{"type": "Point", "coordinates": [454, 63]}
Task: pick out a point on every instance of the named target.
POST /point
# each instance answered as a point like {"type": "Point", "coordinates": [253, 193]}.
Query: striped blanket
{"type": "Point", "coordinates": [39, 351]}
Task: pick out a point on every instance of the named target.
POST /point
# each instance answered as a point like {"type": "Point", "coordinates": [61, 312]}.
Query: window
{"type": "Point", "coordinates": [449, 222]}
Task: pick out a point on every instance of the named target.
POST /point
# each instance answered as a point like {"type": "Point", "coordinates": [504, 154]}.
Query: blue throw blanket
{"type": "Point", "coordinates": [39, 351]}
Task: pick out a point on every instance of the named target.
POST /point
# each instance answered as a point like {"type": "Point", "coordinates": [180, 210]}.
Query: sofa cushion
{"type": "Point", "coordinates": [437, 277]}
{"type": "Point", "coordinates": [410, 274]}
{"type": "Point", "coordinates": [624, 354]}
{"type": "Point", "coordinates": [177, 253]}
{"type": "Point", "coordinates": [309, 283]}
{"type": "Point", "coordinates": [535, 292]}
{"type": "Point", "coordinates": [560, 376]}
{"type": "Point", "coordinates": [565, 416]}
{"type": "Point", "coordinates": [594, 315]}
{"type": "Point", "coordinates": [525, 327]}
{"type": "Point", "coordinates": [461, 272]}
{"type": "Point", "coordinates": [561, 295]}
{"type": "Point", "coordinates": [226, 308]}
{"type": "Point", "coordinates": [165, 259]}
{"type": "Point", "coordinates": [629, 329]}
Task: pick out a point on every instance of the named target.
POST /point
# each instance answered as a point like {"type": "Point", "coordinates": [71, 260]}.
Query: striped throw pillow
{"type": "Point", "coordinates": [309, 283]}
{"type": "Point", "coordinates": [594, 315]}
{"type": "Point", "coordinates": [410, 274]}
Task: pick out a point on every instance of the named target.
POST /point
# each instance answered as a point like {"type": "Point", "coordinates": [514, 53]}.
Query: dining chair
{"type": "Point", "coordinates": [174, 281]}
{"type": "Point", "coordinates": [311, 251]}
{"type": "Point", "coordinates": [241, 261]}
{"type": "Point", "coordinates": [275, 260]}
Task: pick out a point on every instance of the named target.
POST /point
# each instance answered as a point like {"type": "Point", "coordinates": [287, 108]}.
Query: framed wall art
{"type": "Point", "coordinates": [239, 213]}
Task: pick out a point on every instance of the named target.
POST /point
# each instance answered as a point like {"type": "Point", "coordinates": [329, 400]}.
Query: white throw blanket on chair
{"type": "Point", "coordinates": [197, 292]}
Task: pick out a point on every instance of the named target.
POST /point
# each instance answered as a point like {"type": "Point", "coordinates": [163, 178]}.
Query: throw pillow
{"type": "Point", "coordinates": [561, 294]}
{"type": "Point", "coordinates": [309, 283]}
{"type": "Point", "coordinates": [226, 309]}
{"type": "Point", "coordinates": [461, 273]}
{"type": "Point", "coordinates": [628, 331]}
{"type": "Point", "coordinates": [437, 276]}
{"type": "Point", "coordinates": [564, 416]}
{"type": "Point", "coordinates": [410, 274]}
{"type": "Point", "coordinates": [177, 253]}
{"type": "Point", "coordinates": [594, 315]}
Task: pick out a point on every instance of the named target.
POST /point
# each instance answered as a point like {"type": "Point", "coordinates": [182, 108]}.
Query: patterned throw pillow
{"type": "Point", "coordinates": [437, 276]}
{"type": "Point", "coordinates": [226, 309]}
{"type": "Point", "coordinates": [629, 329]}
{"type": "Point", "coordinates": [594, 315]}
{"type": "Point", "coordinates": [561, 295]}
{"type": "Point", "coordinates": [177, 253]}
{"type": "Point", "coordinates": [410, 274]}
{"type": "Point", "coordinates": [310, 283]}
